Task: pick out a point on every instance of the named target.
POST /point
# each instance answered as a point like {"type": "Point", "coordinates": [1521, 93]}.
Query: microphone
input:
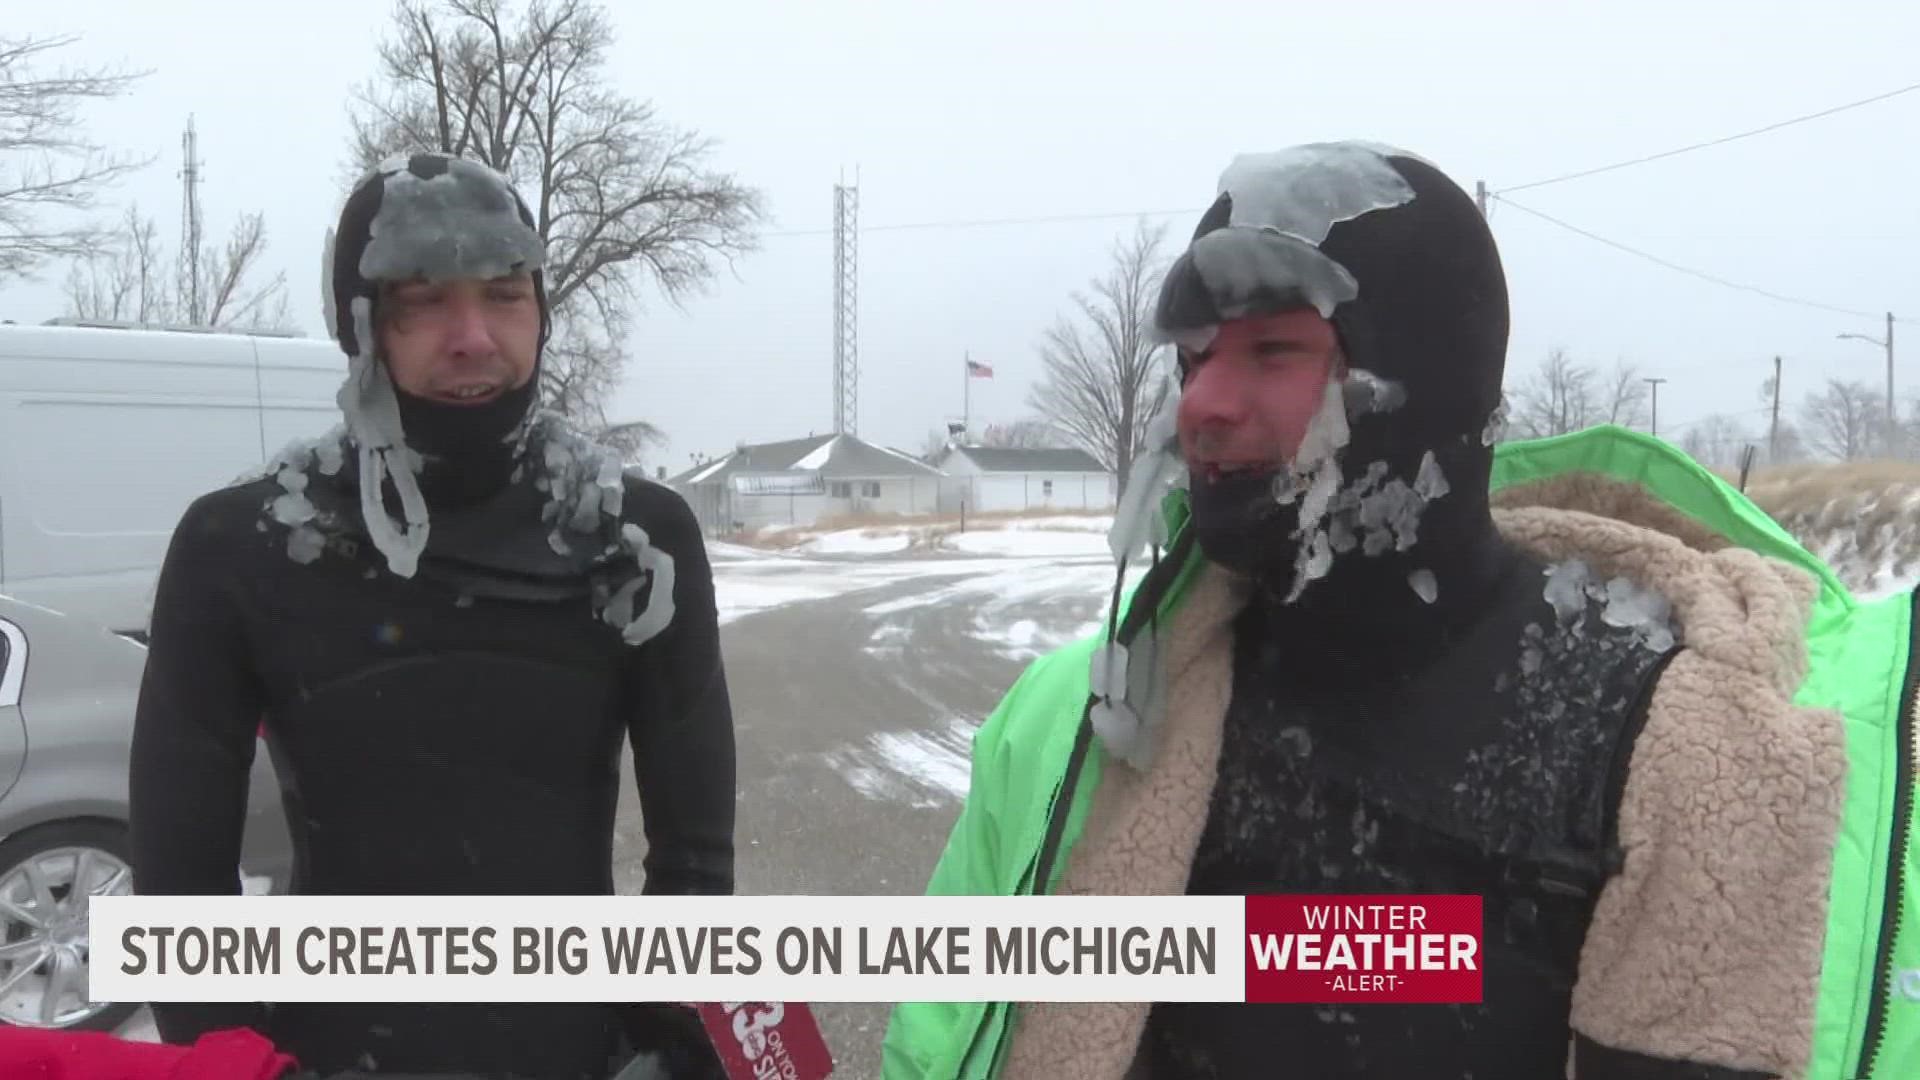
{"type": "Point", "coordinates": [767, 1040]}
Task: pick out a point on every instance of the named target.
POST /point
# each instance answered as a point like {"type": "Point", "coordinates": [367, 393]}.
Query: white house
{"type": "Point", "coordinates": [802, 481]}
{"type": "Point", "coordinates": [996, 479]}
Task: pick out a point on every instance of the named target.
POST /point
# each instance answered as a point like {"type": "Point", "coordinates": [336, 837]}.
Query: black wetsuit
{"type": "Point", "coordinates": [456, 732]}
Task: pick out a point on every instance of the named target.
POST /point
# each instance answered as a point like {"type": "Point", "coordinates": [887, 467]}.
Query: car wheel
{"type": "Point", "coordinates": [47, 877]}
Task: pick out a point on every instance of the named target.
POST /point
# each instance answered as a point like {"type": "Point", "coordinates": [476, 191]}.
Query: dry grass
{"type": "Point", "coordinates": [1860, 516]}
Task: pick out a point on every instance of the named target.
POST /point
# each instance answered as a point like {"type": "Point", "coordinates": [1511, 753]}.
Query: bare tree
{"type": "Point", "coordinates": [1103, 376]}
{"type": "Point", "coordinates": [47, 168]}
{"type": "Point", "coordinates": [1559, 397]}
{"type": "Point", "coordinates": [227, 299]}
{"type": "Point", "coordinates": [129, 280]}
{"type": "Point", "coordinates": [1717, 440]}
{"type": "Point", "coordinates": [632, 437]}
{"type": "Point", "coordinates": [579, 373]}
{"type": "Point", "coordinates": [1563, 395]}
{"type": "Point", "coordinates": [619, 196]}
{"type": "Point", "coordinates": [1627, 396]}
{"type": "Point", "coordinates": [1844, 420]}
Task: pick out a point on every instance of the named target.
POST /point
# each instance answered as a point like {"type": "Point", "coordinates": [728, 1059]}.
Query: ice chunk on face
{"type": "Point", "coordinates": [1243, 267]}
{"type": "Point", "coordinates": [1566, 588]}
{"type": "Point", "coordinates": [1496, 428]}
{"type": "Point", "coordinates": [1314, 561]}
{"type": "Point", "coordinates": [1369, 393]}
{"type": "Point", "coordinates": [1430, 484]}
{"type": "Point", "coordinates": [1425, 585]}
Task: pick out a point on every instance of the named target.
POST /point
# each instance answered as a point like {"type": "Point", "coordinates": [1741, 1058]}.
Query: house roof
{"type": "Point", "coordinates": [830, 456]}
{"type": "Point", "coordinates": [1047, 459]}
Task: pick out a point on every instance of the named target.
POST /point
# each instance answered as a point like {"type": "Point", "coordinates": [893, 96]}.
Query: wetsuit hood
{"type": "Point", "coordinates": [427, 217]}
{"type": "Point", "coordinates": [1385, 510]}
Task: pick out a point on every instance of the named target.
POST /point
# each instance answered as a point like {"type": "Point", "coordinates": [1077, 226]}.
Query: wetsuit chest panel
{"type": "Point", "coordinates": [1488, 773]}
{"type": "Point", "coordinates": [435, 744]}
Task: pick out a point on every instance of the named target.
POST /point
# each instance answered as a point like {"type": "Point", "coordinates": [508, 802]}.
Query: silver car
{"type": "Point", "coordinates": [67, 696]}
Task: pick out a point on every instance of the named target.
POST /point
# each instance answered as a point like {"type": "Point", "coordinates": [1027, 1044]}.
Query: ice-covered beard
{"type": "Point", "coordinates": [1264, 523]}
{"type": "Point", "coordinates": [1348, 494]}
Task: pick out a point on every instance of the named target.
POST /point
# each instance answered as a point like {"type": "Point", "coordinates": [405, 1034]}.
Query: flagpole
{"type": "Point", "coordinates": [966, 396]}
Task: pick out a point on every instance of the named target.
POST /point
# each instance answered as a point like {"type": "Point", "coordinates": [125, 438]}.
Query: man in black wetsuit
{"type": "Point", "coordinates": [1352, 669]}
{"type": "Point", "coordinates": [448, 612]}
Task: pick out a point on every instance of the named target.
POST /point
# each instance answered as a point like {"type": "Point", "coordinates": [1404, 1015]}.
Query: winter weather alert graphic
{"type": "Point", "coordinates": [1305, 949]}
{"type": "Point", "coordinates": [1368, 949]}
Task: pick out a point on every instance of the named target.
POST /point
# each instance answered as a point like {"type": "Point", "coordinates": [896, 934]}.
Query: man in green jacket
{"type": "Point", "coordinates": [1355, 668]}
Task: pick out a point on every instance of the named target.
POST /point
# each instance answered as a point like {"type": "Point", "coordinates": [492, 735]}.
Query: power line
{"type": "Point", "coordinates": [1689, 271]}
{"type": "Point", "coordinates": [1712, 142]}
{"type": "Point", "coordinates": [976, 223]}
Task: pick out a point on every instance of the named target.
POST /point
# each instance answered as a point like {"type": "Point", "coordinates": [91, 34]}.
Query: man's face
{"type": "Point", "coordinates": [461, 342]}
{"type": "Point", "coordinates": [1246, 400]}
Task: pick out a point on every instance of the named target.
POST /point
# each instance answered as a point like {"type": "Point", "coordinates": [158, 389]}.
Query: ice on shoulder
{"type": "Point", "coordinates": [1625, 604]}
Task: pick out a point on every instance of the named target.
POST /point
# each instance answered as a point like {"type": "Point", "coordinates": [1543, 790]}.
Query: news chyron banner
{"type": "Point", "coordinates": [1302, 949]}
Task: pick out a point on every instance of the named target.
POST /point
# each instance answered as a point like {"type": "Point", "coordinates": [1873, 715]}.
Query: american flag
{"type": "Point", "coordinates": [978, 370]}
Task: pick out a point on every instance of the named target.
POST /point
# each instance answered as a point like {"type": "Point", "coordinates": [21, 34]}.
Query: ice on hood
{"type": "Point", "coordinates": [462, 223]}
{"type": "Point", "coordinates": [1137, 521]}
{"type": "Point", "coordinates": [372, 413]}
{"type": "Point", "coordinates": [1284, 204]}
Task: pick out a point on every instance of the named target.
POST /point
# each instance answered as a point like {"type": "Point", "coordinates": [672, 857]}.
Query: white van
{"type": "Point", "coordinates": [108, 432]}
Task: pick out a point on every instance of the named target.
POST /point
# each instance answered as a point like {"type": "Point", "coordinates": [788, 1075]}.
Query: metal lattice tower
{"type": "Point", "coordinates": [846, 305]}
{"type": "Point", "coordinates": [190, 220]}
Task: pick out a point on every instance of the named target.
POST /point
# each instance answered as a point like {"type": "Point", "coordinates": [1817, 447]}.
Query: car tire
{"type": "Point", "coordinates": [58, 853]}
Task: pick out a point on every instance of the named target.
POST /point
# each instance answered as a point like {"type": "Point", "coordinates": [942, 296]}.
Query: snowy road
{"type": "Point", "coordinates": [857, 685]}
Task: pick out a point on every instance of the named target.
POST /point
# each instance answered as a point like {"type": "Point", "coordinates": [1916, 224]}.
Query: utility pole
{"type": "Point", "coordinates": [1655, 383]}
{"type": "Point", "coordinates": [1893, 424]}
{"type": "Point", "coordinates": [1773, 433]}
{"type": "Point", "coordinates": [1480, 196]}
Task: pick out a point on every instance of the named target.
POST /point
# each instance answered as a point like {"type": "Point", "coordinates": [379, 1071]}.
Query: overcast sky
{"type": "Point", "coordinates": [990, 110]}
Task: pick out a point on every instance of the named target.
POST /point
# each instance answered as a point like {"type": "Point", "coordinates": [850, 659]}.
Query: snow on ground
{"type": "Point", "coordinates": [1021, 591]}
{"type": "Point", "coordinates": [859, 542]}
{"type": "Point", "coordinates": [747, 586]}
{"type": "Point", "coordinates": [1052, 535]}
{"type": "Point", "coordinates": [1025, 609]}
{"type": "Point", "coordinates": [1027, 542]}
{"type": "Point", "coordinates": [925, 769]}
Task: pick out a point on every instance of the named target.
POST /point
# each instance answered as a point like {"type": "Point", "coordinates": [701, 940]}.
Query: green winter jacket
{"type": "Point", "coordinates": [1866, 1021]}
